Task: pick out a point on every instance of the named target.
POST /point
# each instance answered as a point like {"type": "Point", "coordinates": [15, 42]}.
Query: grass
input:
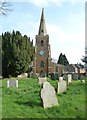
{"type": "Point", "coordinates": [25, 101]}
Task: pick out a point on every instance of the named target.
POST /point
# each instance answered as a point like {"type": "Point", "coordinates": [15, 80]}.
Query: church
{"type": "Point", "coordinates": [43, 64]}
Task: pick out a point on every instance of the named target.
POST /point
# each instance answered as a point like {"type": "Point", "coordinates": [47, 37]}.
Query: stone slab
{"type": "Point", "coordinates": [12, 83]}
{"type": "Point", "coordinates": [48, 95]}
{"type": "Point", "coordinates": [69, 79]}
{"type": "Point", "coordinates": [62, 86]}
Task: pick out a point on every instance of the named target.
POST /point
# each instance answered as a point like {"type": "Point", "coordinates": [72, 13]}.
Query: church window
{"type": "Point", "coordinates": [42, 43]}
{"type": "Point", "coordinates": [41, 64]}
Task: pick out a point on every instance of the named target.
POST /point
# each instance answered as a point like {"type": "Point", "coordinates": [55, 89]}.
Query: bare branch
{"type": "Point", "coordinates": [5, 7]}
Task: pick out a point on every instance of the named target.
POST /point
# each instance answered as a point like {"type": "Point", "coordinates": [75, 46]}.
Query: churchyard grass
{"type": "Point", "coordinates": [25, 102]}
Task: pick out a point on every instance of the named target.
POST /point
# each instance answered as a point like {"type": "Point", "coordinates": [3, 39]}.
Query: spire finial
{"type": "Point", "coordinates": [42, 28]}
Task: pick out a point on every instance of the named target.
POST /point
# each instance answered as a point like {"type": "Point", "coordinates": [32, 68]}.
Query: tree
{"type": "Point", "coordinates": [84, 59]}
{"type": "Point", "coordinates": [5, 7]}
{"type": "Point", "coordinates": [63, 60]}
{"type": "Point", "coordinates": [17, 53]}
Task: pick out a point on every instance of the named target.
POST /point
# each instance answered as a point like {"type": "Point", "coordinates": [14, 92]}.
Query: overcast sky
{"type": "Point", "coordinates": [65, 24]}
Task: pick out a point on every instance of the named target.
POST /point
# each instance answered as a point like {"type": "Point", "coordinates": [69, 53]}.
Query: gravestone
{"type": "Point", "coordinates": [75, 76]}
{"type": "Point", "coordinates": [69, 78]}
{"type": "Point", "coordinates": [48, 95]}
{"type": "Point", "coordinates": [83, 81]}
{"type": "Point", "coordinates": [60, 78]}
{"type": "Point", "coordinates": [42, 80]}
{"type": "Point", "coordinates": [65, 77]}
{"type": "Point", "coordinates": [61, 86]}
{"type": "Point", "coordinates": [12, 83]}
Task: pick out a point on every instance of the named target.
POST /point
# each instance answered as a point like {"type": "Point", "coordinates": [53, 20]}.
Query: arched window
{"type": "Point", "coordinates": [42, 43]}
{"type": "Point", "coordinates": [41, 64]}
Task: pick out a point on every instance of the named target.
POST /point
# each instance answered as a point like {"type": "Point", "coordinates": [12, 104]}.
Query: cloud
{"type": "Point", "coordinates": [70, 40]}
{"type": "Point", "coordinates": [73, 55]}
{"type": "Point", "coordinates": [70, 43]}
{"type": "Point", "coordinates": [44, 3]}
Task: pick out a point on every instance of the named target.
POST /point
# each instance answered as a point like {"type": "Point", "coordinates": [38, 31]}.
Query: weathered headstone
{"type": "Point", "coordinates": [75, 76]}
{"type": "Point", "coordinates": [61, 86]}
{"type": "Point", "coordinates": [48, 95]}
{"type": "Point", "coordinates": [69, 78]}
{"type": "Point", "coordinates": [60, 78]}
{"type": "Point", "coordinates": [83, 81]}
{"type": "Point", "coordinates": [42, 80]}
{"type": "Point", "coordinates": [12, 83]}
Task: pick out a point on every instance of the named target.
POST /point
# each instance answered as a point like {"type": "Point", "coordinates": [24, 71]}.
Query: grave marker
{"type": "Point", "coordinates": [69, 79]}
{"type": "Point", "coordinates": [60, 78]}
{"type": "Point", "coordinates": [12, 83]}
{"type": "Point", "coordinates": [61, 86]}
{"type": "Point", "coordinates": [48, 95]}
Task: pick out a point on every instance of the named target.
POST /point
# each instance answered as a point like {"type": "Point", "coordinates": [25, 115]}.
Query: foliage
{"type": "Point", "coordinates": [17, 53]}
{"type": "Point", "coordinates": [5, 7]}
{"type": "Point", "coordinates": [63, 60]}
{"type": "Point", "coordinates": [80, 65]}
{"type": "Point", "coordinates": [84, 59]}
{"type": "Point", "coordinates": [25, 101]}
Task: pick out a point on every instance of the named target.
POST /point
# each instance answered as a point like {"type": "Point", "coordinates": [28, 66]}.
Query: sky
{"type": "Point", "coordinates": [65, 24]}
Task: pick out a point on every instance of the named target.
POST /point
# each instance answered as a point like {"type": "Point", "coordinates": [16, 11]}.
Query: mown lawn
{"type": "Point", "coordinates": [25, 101]}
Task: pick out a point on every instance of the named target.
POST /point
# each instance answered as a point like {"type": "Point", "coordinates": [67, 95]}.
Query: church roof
{"type": "Point", "coordinates": [42, 27]}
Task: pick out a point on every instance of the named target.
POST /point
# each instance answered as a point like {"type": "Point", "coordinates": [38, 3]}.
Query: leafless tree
{"type": "Point", "coordinates": [5, 7]}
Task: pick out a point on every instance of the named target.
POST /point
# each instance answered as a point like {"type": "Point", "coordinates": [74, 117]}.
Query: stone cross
{"type": "Point", "coordinates": [48, 95]}
{"type": "Point", "coordinates": [12, 83]}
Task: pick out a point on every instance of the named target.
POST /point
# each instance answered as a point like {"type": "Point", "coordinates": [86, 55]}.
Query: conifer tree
{"type": "Point", "coordinates": [63, 60]}
{"type": "Point", "coordinates": [18, 52]}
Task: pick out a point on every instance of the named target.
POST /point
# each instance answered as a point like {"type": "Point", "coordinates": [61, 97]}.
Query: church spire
{"type": "Point", "coordinates": [42, 28]}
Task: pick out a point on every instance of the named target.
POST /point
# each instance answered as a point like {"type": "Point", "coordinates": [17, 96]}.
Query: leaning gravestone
{"type": "Point", "coordinates": [12, 83]}
{"type": "Point", "coordinates": [69, 78]}
{"type": "Point", "coordinates": [48, 95]}
{"type": "Point", "coordinates": [42, 80]}
{"type": "Point", "coordinates": [61, 85]}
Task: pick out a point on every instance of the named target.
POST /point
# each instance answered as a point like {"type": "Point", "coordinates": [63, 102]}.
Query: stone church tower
{"type": "Point", "coordinates": [42, 61]}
